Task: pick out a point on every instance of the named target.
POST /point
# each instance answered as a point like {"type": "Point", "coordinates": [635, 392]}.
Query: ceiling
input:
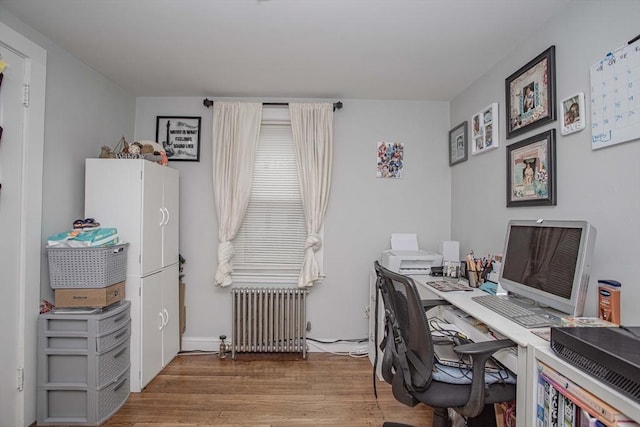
{"type": "Point", "coordinates": [358, 49]}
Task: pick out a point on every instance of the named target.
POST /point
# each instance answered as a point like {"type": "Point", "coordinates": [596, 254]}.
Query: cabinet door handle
{"type": "Point", "coordinates": [167, 216]}
{"type": "Point", "coordinates": [166, 313]}
{"type": "Point", "coordinates": [161, 217]}
{"type": "Point", "coordinates": [161, 325]}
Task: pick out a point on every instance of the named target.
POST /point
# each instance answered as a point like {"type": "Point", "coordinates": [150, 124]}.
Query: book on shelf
{"type": "Point", "coordinates": [540, 406]}
{"type": "Point", "coordinates": [594, 406]}
{"type": "Point", "coordinates": [554, 397]}
{"type": "Point", "coordinates": [569, 412]}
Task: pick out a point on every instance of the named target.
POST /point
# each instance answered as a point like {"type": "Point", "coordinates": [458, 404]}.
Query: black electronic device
{"type": "Point", "coordinates": [437, 271]}
{"type": "Point", "coordinates": [610, 354]}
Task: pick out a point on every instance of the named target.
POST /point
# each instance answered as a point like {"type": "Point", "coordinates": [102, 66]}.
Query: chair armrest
{"type": "Point", "coordinates": [483, 347]}
{"type": "Point", "coordinates": [428, 304]}
{"type": "Point", "coordinates": [479, 352]}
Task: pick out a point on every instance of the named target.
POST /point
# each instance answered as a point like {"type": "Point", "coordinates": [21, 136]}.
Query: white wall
{"type": "Point", "coordinates": [83, 111]}
{"type": "Point", "coordinates": [601, 186]}
{"type": "Point", "coordinates": [363, 210]}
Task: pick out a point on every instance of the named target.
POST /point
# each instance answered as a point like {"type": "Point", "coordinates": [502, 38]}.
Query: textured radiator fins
{"type": "Point", "coordinates": [269, 320]}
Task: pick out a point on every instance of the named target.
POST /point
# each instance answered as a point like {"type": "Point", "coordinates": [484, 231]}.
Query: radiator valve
{"type": "Point", "coordinates": [223, 347]}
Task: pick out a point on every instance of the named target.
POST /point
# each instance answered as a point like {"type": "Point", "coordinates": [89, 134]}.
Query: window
{"type": "Point", "coordinates": [269, 247]}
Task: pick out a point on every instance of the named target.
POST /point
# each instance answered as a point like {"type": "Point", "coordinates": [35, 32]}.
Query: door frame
{"type": "Point", "coordinates": [30, 244]}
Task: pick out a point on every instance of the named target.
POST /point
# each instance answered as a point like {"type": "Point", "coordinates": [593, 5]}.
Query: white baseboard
{"type": "Point", "coordinates": [200, 344]}
{"type": "Point", "coordinates": [213, 344]}
{"type": "Point", "coordinates": [338, 347]}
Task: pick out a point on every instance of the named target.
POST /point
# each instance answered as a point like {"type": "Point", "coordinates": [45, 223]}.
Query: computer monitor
{"type": "Point", "coordinates": [549, 261]}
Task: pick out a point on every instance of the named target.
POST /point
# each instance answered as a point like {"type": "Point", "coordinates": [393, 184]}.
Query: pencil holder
{"type": "Point", "coordinates": [474, 278]}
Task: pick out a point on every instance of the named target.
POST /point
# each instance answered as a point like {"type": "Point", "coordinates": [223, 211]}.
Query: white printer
{"type": "Point", "coordinates": [410, 261]}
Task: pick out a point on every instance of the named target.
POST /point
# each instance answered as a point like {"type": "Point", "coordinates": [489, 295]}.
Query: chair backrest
{"type": "Point", "coordinates": [408, 343]}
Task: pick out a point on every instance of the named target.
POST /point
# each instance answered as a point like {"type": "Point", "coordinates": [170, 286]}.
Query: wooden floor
{"type": "Point", "coordinates": [270, 390]}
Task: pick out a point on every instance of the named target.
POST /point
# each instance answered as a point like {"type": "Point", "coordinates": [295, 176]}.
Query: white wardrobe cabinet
{"type": "Point", "coordinates": [161, 339]}
{"type": "Point", "coordinates": [140, 198]}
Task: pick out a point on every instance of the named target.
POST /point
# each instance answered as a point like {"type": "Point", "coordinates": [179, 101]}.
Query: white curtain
{"type": "Point", "coordinates": [236, 128]}
{"type": "Point", "coordinates": [312, 129]}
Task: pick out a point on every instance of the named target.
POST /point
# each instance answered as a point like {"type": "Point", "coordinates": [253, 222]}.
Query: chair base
{"type": "Point", "coordinates": [441, 417]}
{"type": "Point", "coordinates": [487, 418]}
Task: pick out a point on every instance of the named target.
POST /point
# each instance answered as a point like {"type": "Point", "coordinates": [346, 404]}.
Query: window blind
{"type": "Point", "coordinates": [270, 244]}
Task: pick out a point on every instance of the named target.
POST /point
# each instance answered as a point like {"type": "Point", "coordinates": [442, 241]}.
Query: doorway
{"type": "Point", "coordinates": [22, 95]}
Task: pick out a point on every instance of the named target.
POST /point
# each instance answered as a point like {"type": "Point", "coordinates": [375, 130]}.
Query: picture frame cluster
{"type": "Point", "coordinates": [530, 95]}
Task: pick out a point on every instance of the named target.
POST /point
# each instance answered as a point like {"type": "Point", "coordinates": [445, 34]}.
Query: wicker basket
{"type": "Point", "coordinates": [87, 267]}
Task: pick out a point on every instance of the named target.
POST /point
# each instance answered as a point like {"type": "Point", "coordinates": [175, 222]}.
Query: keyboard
{"type": "Point", "coordinates": [521, 315]}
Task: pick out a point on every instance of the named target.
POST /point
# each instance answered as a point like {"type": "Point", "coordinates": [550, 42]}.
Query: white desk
{"type": "Point", "coordinates": [525, 367]}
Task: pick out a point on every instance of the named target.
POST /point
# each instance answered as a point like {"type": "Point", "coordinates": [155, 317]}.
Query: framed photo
{"type": "Point", "coordinates": [573, 114]}
{"type": "Point", "coordinates": [180, 137]}
{"type": "Point", "coordinates": [484, 130]}
{"type": "Point", "coordinates": [531, 94]}
{"type": "Point", "coordinates": [531, 171]}
{"type": "Point", "coordinates": [451, 269]}
{"type": "Point", "coordinates": [458, 143]}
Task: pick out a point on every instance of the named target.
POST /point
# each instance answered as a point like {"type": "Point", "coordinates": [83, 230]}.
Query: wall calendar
{"type": "Point", "coordinates": [615, 97]}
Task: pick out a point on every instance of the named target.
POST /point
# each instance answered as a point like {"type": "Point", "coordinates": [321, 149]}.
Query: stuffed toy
{"type": "Point", "coordinates": [106, 153]}
{"type": "Point", "coordinates": [152, 147]}
{"type": "Point", "coordinates": [134, 149]}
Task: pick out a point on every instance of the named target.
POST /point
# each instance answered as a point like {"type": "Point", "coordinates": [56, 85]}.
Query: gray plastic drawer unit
{"type": "Point", "coordinates": [83, 365]}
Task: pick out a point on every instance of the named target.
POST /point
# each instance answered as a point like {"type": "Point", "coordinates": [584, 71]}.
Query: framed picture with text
{"type": "Point", "coordinates": [531, 94]}
{"type": "Point", "coordinates": [180, 137]}
{"type": "Point", "coordinates": [531, 171]}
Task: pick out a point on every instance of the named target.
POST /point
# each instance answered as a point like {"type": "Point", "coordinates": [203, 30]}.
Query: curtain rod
{"type": "Point", "coordinates": [209, 102]}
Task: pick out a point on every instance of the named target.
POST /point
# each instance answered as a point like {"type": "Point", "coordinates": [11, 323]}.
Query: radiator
{"type": "Point", "coordinates": [269, 320]}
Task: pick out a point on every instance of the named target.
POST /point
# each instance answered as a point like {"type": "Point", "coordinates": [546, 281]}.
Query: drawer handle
{"type": "Point", "coordinates": [120, 384]}
{"type": "Point", "coordinates": [119, 318]}
{"type": "Point", "coordinates": [118, 250]}
{"type": "Point", "coordinates": [119, 353]}
{"type": "Point", "coordinates": [120, 334]}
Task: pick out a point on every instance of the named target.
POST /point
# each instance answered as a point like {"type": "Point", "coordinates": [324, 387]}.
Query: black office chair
{"type": "Point", "coordinates": [408, 360]}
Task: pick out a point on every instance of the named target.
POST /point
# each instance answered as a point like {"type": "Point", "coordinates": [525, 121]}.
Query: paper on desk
{"type": "Point", "coordinates": [404, 241]}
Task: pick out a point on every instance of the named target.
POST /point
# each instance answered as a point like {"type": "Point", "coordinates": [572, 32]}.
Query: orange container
{"type": "Point", "coordinates": [609, 300]}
